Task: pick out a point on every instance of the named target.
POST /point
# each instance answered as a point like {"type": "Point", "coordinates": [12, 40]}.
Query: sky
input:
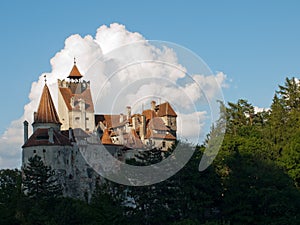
{"type": "Point", "coordinates": [255, 43]}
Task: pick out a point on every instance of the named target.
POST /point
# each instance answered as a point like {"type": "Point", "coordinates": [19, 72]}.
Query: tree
{"type": "Point", "coordinates": [10, 193]}
{"type": "Point", "coordinates": [239, 115]}
{"type": "Point", "coordinates": [39, 180]}
{"type": "Point", "coordinates": [258, 192]}
{"type": "Point", "coordinates": [290, 93]}
{"type": "Point", "coordinates": [107, 205]}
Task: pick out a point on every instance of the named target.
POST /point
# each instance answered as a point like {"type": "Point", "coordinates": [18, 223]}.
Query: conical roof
{"type": "Point", "coordinates": [75, 74]}
{"type": "Point", "coordinates": [46, 112]}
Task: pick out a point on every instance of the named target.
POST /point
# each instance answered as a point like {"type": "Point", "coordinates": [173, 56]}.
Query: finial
{"type": "Point", "coordinates": [45, 76]}
{"type": "Point", "coordinates": [74, 61]}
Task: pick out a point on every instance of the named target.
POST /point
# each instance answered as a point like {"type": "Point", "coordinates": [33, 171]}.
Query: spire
{"type": "Point", "coordinates": [75, 74]}
{"type": "Point", "coordinates": [46, 111]}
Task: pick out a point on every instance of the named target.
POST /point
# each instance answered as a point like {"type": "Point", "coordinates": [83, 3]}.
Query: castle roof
{"type": "Point", "coordinates": [106, 138]}
{"type": "Point", "coordinates": [157, 124]}
{"type": "Point", "coordinates": [41, 138]}
{"type": "Point", "coordinates": [83, 94]}
{"type": "Point", "coordinates": [133, 140]}
{"type": "Point", "coordinates": [165, 109]}
{"type": "Point", "coordinates": [111, 121]}
{"type": "Point", "coordinates": [46, 112]}
{"type": "Point", "coordinates": [75, 74]}
{"type": "Point", "coordinates": [149, 114]}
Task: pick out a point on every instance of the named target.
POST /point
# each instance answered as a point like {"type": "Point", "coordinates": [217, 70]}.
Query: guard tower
{"type": "Point", "coordinates": [75, 103]}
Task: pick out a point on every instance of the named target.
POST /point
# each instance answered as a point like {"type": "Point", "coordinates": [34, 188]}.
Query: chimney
{"type": "Point", "coordinates": [128, 112]}
{"type": "Point", "coordinates": [153, 104]}
{"type": "Point", "coordinates": [143, 127]}
{"type": "Point", "coordinates": [134, 122]}
{"type": "Point", "coordinates": [70, 134]}
{"type": "Point", "coordinates": [25, 131]}
{"type": "Point", "coordinates": [121, 118]}
{"type": "Point", "coordinates": [50, 133]}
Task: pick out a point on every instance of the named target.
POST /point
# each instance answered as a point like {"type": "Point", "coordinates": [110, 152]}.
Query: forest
{"type": "Point", "coordinates": [254, 179]}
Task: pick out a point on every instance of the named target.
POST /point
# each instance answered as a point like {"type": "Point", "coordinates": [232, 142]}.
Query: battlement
{"type": "Point", "coordinates": [76, 88]}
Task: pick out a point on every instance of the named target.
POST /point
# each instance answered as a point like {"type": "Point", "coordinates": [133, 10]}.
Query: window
{"type": "Point", "coordinates": [87, 118]}
{"type": "Point", "coordinates": [77, 118]}
{"type": "Point", "coordinates": [163, 144]}
{"type": "Point", "coordinates": [44, 150]}
{"type": "Point", "coordinates": [34, 151]}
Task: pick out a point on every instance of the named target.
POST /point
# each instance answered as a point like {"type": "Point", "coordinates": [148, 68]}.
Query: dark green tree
{"type": "Point", "coordinates": [107, 204]}
{"type": "Point", "coordinates": [39, 180]}
{"type": "Point", "coordinates": [10, 193]}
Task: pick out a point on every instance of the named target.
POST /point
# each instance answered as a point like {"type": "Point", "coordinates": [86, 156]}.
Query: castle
{"type": "Point", "coordinates": [58, 137]}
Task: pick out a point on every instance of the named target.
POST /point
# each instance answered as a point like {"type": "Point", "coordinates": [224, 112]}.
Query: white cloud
{"type": "Point", "coordinates": [191, 126]}
{"type": "Point", "coordinates": [258, 109]}
{"type": "Point", "coordinates": [124, 69]}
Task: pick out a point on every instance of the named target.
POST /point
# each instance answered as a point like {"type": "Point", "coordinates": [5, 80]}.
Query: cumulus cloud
{"type": "Point", "coordinates": [124, 69]}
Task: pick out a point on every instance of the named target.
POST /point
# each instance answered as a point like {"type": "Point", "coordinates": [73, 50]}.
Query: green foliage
{"type": "Point", "coordinates": [39, 180]}
{"type": "Point", "coordinates": [10, 191]}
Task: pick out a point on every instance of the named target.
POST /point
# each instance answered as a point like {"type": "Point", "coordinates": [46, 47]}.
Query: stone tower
{"type": "Point", "coordinates": [59, 150]}
{"type": "Point", "coordinates": [75, 104]}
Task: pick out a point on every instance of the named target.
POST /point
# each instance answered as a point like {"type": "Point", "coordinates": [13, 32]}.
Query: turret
{"type": "Point", "coordinates": [46, 115]}
{"type": "Point", "coordinates": [75, 74]}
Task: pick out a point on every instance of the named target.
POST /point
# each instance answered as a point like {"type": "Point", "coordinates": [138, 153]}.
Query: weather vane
{"type": "Point", "coordinates": [45, 76]}
{"type": "Point", "coordinates": [74, 60]}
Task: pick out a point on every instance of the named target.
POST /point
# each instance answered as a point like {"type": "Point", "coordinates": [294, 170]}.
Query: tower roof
{"type": "Point", "coordinates": [75, 74]}
{"type": "Point", "coordinates": [165, 109]}
{"type": "Point", "coordinates": [46, 111]}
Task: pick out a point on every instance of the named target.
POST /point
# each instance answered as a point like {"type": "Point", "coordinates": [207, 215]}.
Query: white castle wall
{"type": "Point", "coordinates": [77, 178]}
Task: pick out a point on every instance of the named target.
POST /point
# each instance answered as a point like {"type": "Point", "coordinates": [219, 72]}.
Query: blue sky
{"type": "Point", "coordinates": [255, 43]}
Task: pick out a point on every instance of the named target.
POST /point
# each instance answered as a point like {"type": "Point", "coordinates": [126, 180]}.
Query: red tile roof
{"type": "Point", "coordinates": [67, 95]}
{"type": "Point", "coordinates": [46, 112]}
{"type": "Point", "coordinates": [157, 123]}
{"type": "Point", "coordinates": [106, 138]}
{"type": "Point", "coordinates": [84, 95]}
{"type": "Point", "coordinates": [111, 121]}
{"type": "Point", "coordinates": [149, 114]}
{"type": "Point", "coordinates": [41, 138]}
{"type": "Point", "coordinates": [75, 74]}
{"type": "Point", "coordinates": [165, 109]}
